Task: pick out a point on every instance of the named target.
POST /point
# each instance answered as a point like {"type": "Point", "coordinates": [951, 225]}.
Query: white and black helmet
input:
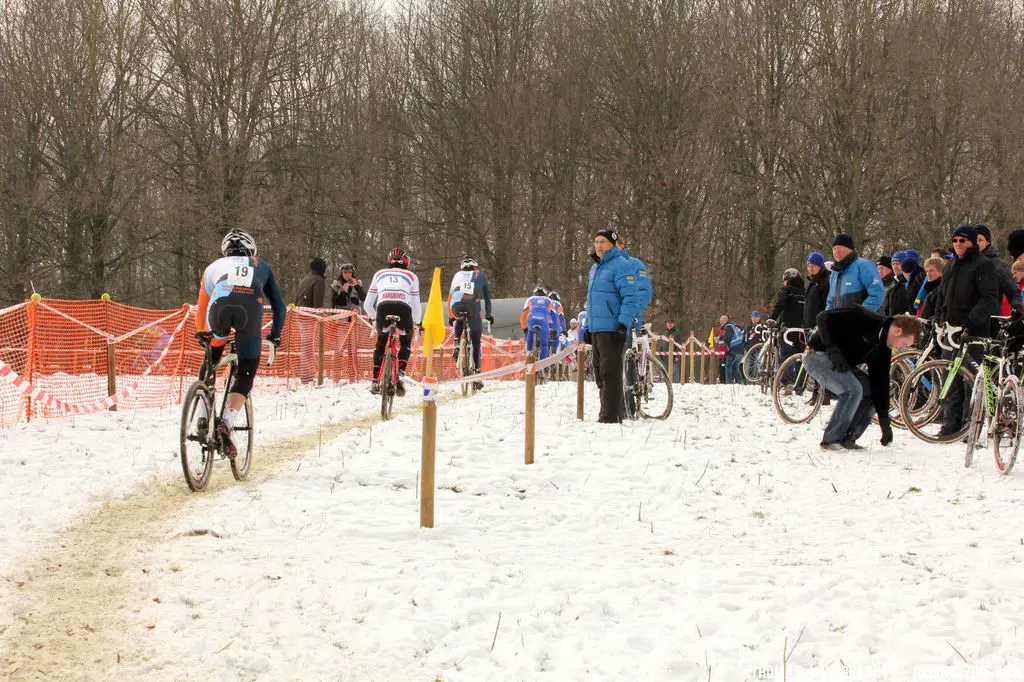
{"type": "Point", "coordinates": [469, 263]}
{"type": "Point", "coordinates": [238, 243]}
{"type": "Point", "coordinates": [790, 274]}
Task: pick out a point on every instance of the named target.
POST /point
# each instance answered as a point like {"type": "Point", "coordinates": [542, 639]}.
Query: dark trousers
{"type": "Point", "coordinates": [608, 348]}
{"type": "Point", "coordinates": [958, 400]}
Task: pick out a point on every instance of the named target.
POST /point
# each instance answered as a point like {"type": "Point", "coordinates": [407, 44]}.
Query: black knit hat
{"type": "Point", "coordinates": [1015, 243]}
{"type": "Point", "coordinates": [843, 239]}
{"type": "Point", "coordinates": [886, 261]}
{"type": "Point", "coordinates": [318, 265]}
{"type": "Point", "coordinates": [968, 232]}
{"type": "Point", "coordinates": [609, 233]}
{"type": "Point", "coordinates": [983, 231]}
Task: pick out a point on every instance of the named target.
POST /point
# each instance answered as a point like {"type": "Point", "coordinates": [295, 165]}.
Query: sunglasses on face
{"type": "Point", "coordinates": [961, 240]}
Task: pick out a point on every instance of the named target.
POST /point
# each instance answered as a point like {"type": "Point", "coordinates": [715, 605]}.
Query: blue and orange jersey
{"type": "Point", "coordinates": [240, 276]}
{"type": "Point", "coordinates": [557, 317]}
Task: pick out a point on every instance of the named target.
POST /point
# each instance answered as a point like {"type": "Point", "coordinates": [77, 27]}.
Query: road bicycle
{"type": "Point", "coordinates": [796, 394]}
{"type": "Point", "coordinates": [467, 358]}
{"type": "Point", "coordinates": [201, 442]}
{"type": "Point", "coordinates": [387, 378]}
{"type": "Point", "coordinates": [647, 390]}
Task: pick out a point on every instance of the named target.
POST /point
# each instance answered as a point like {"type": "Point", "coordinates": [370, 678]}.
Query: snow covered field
{"type": "Point", "coordinates": [692, 549]}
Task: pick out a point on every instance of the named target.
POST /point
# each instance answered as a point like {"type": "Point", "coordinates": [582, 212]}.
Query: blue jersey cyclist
{"type": "Point", "coordinates": [536, 319]}
{"type": "Point", "coordinates": [231, 298]}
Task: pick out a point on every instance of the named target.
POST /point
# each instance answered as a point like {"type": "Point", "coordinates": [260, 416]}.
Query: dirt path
{"type": "Point", "coordinates": [70, 603]}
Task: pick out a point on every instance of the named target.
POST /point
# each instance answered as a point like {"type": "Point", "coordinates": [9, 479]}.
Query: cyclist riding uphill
{"type": "Point", "coordinates": [231, 298]}
{"type": "Point", "coordinates": [394, 291]}
{"type": "Point", "coordinates": [538, 313]}
{"type": "Point", "coordinates": [557, 320]}
{"type": "Point", "coordinates": [469, 288]}
{"type": "Point", "coordinates": [615, 302]}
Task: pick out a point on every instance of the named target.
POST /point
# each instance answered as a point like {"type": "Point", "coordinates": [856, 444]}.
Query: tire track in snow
{"type": "Point", "coordinates": [72, 602]}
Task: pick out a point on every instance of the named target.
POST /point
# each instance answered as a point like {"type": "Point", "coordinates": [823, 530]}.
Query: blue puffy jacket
{"type": "Point", "coordinates": [643, 279]}
{"type": "Point", "coordinates": [614, 296]}
{"type": "Point", "coordinates": [857, 283]}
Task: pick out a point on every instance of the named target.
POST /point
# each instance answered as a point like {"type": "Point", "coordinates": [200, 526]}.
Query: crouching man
{"type": "Point", "coordinates": [846, 338]}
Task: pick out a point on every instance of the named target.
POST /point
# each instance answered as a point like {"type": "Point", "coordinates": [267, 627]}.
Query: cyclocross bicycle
{"type": "Point", "coordinates": [387, 379]}
{"type": "Point", "coordinates": [200, 441]}
{"type": "Point", "coordinates": [647, 390]}
{"type": "Point", "coordinates": [467, 358]}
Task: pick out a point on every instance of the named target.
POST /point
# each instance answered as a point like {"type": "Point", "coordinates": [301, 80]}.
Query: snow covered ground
{"type": "Point", "coordinates": [692, 549]}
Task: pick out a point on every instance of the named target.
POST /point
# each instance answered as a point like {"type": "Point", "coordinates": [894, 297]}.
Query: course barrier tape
{"type": "Point", "coordinates": [44, 399]}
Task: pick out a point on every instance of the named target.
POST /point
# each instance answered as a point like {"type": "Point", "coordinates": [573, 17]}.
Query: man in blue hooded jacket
{"type": "Point", "coordinates": [615, 303]}
{"type": "Point", "coordinates": [855, 281]}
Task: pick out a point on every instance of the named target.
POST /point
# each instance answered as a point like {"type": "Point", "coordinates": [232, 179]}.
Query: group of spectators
{"type": "Point", "coordinates": [862, 310]}
{"type": "Point", "coordinates": [347, 291]}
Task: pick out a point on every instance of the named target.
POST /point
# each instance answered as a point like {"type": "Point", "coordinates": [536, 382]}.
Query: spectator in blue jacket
{"type": "Point", "coordinates": [643, 277]}
{"type": "Point", "coordinates": [855, 281]}
{"type": "Point", "coordinates": [614, 305]}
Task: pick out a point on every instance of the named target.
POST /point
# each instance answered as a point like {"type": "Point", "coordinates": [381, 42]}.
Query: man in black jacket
{"type": "Point", "coordinates": [789, 310]}
{"type": "Point", "coordinates": [846, 338]}
{"type": "Point", "coordinates": [896, 298]}
{"type": "Point", "coordinates": [817, 289]}
{"type": "Point", "coordinates": [1007, 287]}
{"type": "Point", "coordinates": [969, 297]}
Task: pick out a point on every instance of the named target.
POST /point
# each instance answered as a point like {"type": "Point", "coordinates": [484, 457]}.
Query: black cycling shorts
{"type": "Point", "coordinates": [244, 314]}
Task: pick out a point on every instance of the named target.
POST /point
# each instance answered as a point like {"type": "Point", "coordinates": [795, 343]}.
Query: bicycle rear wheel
{"type": "Point", "coordinates": [655, 399]}
{"type": "Point", "coordinates": [630, 394]}
{"type": "Point", "coordinates": [752, 363]}
{"type": "Point", "coordinates": [921, 401]}
{"type": "Point", "coordinates": [796, 394]}
{"type": "Point", "coordinates": [1007, 425]}
{"type": "Point", "coordinates": [245, 436]}
{"type": "Point", "coordinates": [769, 366]}
{"type": "Point", "coordinates": [197, 442]}
{"type": "Point", "coordinates": [387, 388]}
{"type": "Point", "coordinates": [464, 360]}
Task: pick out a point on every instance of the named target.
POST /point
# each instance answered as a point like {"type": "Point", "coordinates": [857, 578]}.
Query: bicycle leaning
{"type": "Point", "coordinates": [201, 442]}
{"type": "Point", "coordinates": [646, 387]}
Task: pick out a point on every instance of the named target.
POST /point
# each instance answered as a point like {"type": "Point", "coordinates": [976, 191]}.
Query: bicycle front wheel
{"type": "Point", "coordinates": [387, 388]}
{"type": "Point", "coordinates": [197, 442]}
{"type": "Point", "coordinates": [796, 394]}
{"type": "Point", "coordinates": [1007, 425]}
{"type": "Point", "coordinates": [245, 437]}
{"type": "Point", "coordinates": [922, 400]}
{"type": "Point", "coordinates": [655, 395]}
{"type": "Point", "coordinates": [752, 363]}
{"type": "Point", "coordinates": [977, 418]}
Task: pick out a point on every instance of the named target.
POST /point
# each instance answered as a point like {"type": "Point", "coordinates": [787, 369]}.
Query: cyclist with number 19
{"type": "Point", "coordinates": [231, 298]}
{"type": "Point", "coordinates": [394, 291]}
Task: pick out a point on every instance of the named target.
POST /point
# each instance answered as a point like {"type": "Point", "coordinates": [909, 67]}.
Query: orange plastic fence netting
{"type": "Point", "coordinates": [61, 357]}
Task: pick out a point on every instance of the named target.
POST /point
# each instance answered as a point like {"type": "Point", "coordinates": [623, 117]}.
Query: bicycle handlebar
{"type": "Point", "coordinates": [795, 330]}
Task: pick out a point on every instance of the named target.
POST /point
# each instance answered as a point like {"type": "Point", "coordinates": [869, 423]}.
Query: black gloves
{"type": "Point", "coordinates": [586, 336]}
{"type": "Point", "coordinates": [524, 331]}
{"type": "Point", "coordinates": [276, 340]}
{"type": "Point", "coordinates": [451, 321]}
{"type": "Point", "coordinates": [886, 435]}
{"type": "Point", "coordinates": [621, 333]}
{"type": "Point", "coordinates": [839, 363]}
{"type": "Point", "coordinates": [490, 318]}
{"type": "Point", "coordinates": [204, 337]}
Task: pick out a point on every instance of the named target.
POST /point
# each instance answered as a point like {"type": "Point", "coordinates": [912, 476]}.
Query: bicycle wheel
{"type": "Point", "coordinates": [752, 363]}
{"type": "Point", "coordinates": [1007, 425]}
{"type": "Point", "coordinates": [245, 437]}
{"type": "Point", "coordinates": [464, 360]}
{"type": "Point", "coordinates": [769, 364]}
{"type": "Point", "coordinates": [796, 394]}
{"type": "Point", "coordinates": [921, 401]}
{"type": "Point", "coordinates": [197, 442]}
{"type": "Point", "coordinates": [977, 413]}
{"type": "Point", "coordinates": [903, 364]}
{"type": "Point", "coordinates": [387, 388]}
{"type": "Point", "coordinates": [655, 400]}
{"type": "Point", "coordinates": [629, 388]}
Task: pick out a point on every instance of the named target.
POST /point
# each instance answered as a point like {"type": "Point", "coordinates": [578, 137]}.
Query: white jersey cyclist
{"type": "Point", "coordinates": [395, 290]}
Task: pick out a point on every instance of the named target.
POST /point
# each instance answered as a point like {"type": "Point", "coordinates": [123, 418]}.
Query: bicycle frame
{"type": "Point", "coordinates": [392, 348]}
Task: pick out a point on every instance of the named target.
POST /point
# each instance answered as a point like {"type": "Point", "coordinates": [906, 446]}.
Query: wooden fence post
{"type": "Point", "coordinates": [690, 342]}
{"type": "Point", "coordinates": [30, 363]}
{"type": "Point", "coordinates": [581, 370]}
{"type": "Point", "coordinates": [429, 448]}
{"type": "Point", "coordinates": [111, 360]}
{"type": "Point", "coordinates": [531, 396]}
{"type": "Point", "coordinates": [320, 354]}
{"type": "Point", "coordinates": [671, 355]}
